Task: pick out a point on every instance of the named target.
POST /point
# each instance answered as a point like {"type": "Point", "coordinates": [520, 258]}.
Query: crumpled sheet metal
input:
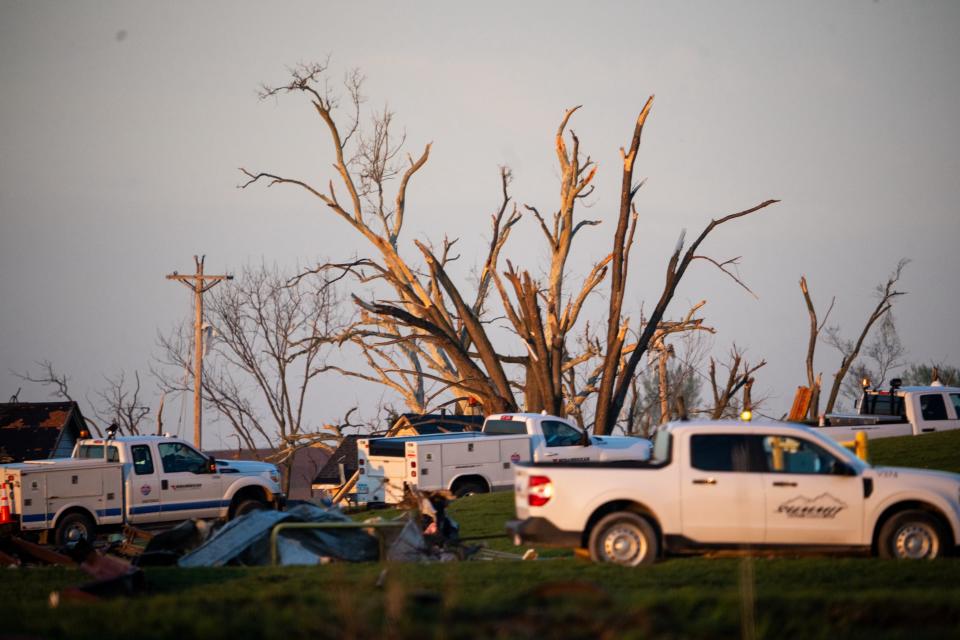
{"type": "Point", "coordinates": [246, 540]}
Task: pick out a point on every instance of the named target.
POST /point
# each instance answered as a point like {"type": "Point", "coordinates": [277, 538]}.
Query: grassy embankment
{"type": "Point", "coordinates": [689, 597]}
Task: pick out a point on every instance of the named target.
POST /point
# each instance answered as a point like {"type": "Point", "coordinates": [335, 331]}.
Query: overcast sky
{"type": "Point", "coordinates": [122, 125]}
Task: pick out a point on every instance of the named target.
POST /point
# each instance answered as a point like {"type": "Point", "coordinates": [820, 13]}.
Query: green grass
{"type": "Point", "coordinates": [930, 451]}
{"type": "Point", "coordinates": [681, 597]}
{"type": "Point", "coordinates": [695, 597]}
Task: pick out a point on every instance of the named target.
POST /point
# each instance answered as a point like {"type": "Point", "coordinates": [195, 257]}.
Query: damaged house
{"type": "Point", "coordinates": [38, 430]}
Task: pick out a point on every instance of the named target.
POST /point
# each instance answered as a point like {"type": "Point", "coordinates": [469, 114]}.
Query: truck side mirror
{"type": "Point", "coordinates": [211, 465]}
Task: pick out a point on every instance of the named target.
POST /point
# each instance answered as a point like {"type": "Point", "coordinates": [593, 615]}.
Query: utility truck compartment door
{"type": "Point", "coordinates": [74, 483]}
{"type": "Point", "coordinates": [480, 452]}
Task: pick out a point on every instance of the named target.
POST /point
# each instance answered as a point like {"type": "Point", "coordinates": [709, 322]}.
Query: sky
{"type": "Point", "coordinates": [123, 124]}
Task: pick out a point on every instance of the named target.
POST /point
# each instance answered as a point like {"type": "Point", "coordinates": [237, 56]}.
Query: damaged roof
{"type": "Point", "coordinates": [346, 454]}
{"type": "Point", "coordinates": [35, 430]}
{"type": "Point", "coordinates": [432, 423]}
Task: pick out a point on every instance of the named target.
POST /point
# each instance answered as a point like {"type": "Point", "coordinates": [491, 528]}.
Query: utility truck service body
{"type": "Point", "coordinates": [901, 411]}
{"type": "Point", "coordinates": [478, 462]}
{"type": "Point", "coordinates": [137, 480]}
{"type": "Point", "coordinates": [726, 484]}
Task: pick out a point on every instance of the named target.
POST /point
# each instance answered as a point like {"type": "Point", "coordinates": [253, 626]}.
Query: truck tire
{"type": "Point", "coordinates": [246, 506]}
{"type": "Point", "coordinates": [912, 535]}
{"type": "Point", "coordinates": [624, 538]}
{"type": "Point", "coordinates": [73, 527]}
{"type": "Point", "coordinates": [469, 488]}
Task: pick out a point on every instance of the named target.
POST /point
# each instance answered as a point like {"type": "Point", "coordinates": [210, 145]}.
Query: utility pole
{"type": "Point", "coordinates": [200, 284]}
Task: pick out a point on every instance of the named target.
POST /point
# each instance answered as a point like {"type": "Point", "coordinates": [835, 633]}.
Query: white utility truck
{"type": "Point", "coordinates": [137, 480]}
{"type": "Point", "coordinates": [899, 411]}
{"type": "Point", "coordinates": [479, 462]}
{"type": "Point", "coordinates": [726, 484]}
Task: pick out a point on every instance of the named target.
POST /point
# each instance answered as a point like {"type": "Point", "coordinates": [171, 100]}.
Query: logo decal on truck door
{"type": "Point", "coordinates": [824, 506]}
{"type": "Point", "coordinates": [145, 490]}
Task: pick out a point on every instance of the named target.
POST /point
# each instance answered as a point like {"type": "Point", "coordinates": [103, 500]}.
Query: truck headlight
{"type": "Point", "coordinates": [275, 476]}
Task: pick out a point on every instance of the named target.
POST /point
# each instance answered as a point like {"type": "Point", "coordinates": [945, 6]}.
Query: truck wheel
{"type": "Point", "coordinates": [911, 535]}
{"type": "Point", "coordinates": [469, 488]}
{"type": "Point", "coordinates": [246, 506]}
{"type": "Point", "coordinates": [624, 538]}
{"type": "Point", "coordinates": [74, 527]}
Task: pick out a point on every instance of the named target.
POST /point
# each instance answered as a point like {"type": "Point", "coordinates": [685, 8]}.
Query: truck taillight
{"type": "Point", "coordinates": [539, 491]}
{"type": "Point", "coordinates": [413, 464]}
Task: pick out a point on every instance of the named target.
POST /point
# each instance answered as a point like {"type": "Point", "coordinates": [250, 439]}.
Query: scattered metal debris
{"type": "Point", "coordinates": [246, 540]}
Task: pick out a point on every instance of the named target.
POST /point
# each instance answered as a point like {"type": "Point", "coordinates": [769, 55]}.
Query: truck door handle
{"type": "Point", "coordinates": [705, 481]}
{"type": "Point", "coordinates": [784, 484]}
{"type": "Point", "coordinates": [164, 484]}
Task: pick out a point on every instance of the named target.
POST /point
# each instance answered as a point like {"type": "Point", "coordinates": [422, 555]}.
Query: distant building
{"type": "Point", "coordinates": [306, 462]}
{"type": "Point", "coordinates": [38, 430]}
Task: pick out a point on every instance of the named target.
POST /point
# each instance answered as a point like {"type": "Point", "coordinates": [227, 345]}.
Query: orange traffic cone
{"type": "Point", "coordinates": [5, 517]}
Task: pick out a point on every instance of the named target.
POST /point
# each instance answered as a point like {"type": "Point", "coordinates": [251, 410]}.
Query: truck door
{"type": "Point", "coordinates": [143, 486]}
{"type": "Point", "coordinates": [561, 443]}
{"type": "Point", "coordinates": [932, 410]}
{"type": "Point", "coordinates": [808, 500]}
{"type": "Point", "coordinates": [721, 490]}
{"type": "Point", "coordinates": [187, 487]}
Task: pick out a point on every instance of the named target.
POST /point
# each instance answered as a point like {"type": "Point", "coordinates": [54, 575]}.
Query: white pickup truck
{"type": "Point", "coordinates": [138, 480]}
{"type": "Point", "coordinates": [479, 462]}
{"type": "Point", "coordinates": [899, 411]}
{"type": "Point", "coordinates": [728, 484]}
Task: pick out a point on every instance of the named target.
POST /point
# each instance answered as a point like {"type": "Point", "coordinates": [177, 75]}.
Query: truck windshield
{"type": "Point", "coordinates": [95, 451]}
{"type": "Point", "coordinates": [505, 427]}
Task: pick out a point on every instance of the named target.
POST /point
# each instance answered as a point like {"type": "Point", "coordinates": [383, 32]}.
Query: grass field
{"type": "Point", "coordinates": [559, 597]}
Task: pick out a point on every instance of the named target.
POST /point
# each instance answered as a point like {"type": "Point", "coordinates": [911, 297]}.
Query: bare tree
{"type": "Point", "coordinates": [430, 315]}
{"type": "Point", "coordinates": [265, 350]}
{"type": "Point", "coordinates": [739, 376]}
{"type": "Point", "coordinates": [813, 382]}
{"type": "Point", "coordinates": [850, 349]}
{"type": "Point", "coordinates": [449, 340]}
{"type": "Point", "coordinates": [49, 377]}
{"type": "Point", "coordinates": [617, 374]}
{"type": "Point", "coordinates": [883, 354]}
{"type": "Point", "coordinates": [122, 405]}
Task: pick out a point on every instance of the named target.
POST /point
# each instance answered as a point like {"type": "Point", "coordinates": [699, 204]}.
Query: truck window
{"type": "Point", "coordinates": [955, 398]}
{"type": "Point", "coordinates": [791, 455]}
{"type": "Point", "coordinates": [176, 457]}
{"type": "Point", "coordinates": [95, 452]}
{"type": "Point", "coordinates": [560, 434]}
{"type": "Point", "coordinates": [882, 404]}
{"type": "Point", "coordinates": [932, 407]}
{"type": "Point", "coordinates": [142, 459]}
{"type": "Point", "coordinates": [505, 427]}
{"type": "Point", "coordinates": [722, 452]}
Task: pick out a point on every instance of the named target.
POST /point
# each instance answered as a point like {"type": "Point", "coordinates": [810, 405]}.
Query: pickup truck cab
{"type": "Point", "coordinates": [726, 484]}
{"type": "Point", "coordinates": [899, 411]}
{"type": "Point", "coordinates": [479, 462]}
{"type": "Point", "coordinates": [137, 480]}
